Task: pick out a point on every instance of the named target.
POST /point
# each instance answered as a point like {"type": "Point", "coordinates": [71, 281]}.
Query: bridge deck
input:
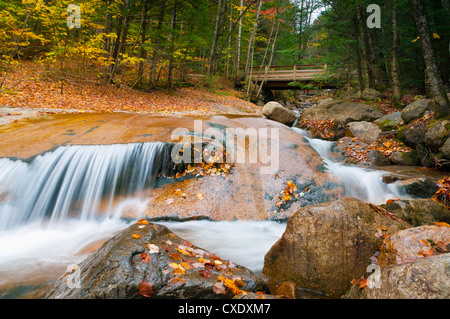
{"type": "Point", "coordinates": [281, 75]}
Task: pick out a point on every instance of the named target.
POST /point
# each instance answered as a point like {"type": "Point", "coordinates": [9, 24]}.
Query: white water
{"type": "Point", "coordinates": [53, 208]}
{"type": "Point", "coordinates": [361, 183]}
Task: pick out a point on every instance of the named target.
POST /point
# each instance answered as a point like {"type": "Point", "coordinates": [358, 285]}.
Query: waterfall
{"type": "Point", "coordinates": [75, 181]}
{"type": "Point", "coordinates": [361, 183]}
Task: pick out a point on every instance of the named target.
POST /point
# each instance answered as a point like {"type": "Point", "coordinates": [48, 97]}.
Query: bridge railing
{"type": "Point", "coordinates": [288, 72]}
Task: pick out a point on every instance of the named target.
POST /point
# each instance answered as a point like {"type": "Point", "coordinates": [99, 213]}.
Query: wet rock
{"type": "Point", "coordinates": [277, 112]}
{"type": "Point", "coordinates": [390, 122]}
{"type": "Point", "coordinates": [371, 94]}
{"type": "Point", "coordinates": [417, 109]}
{"type": "Point", "coordinates": [405, 158]}
{"type": "Point", "coordinates": [364, 131]}
{"type": "Point", "coordinates": [151, 261]}
{"type": "Point", "coordinates": [418, 187]}
{"type": "Point", "coordinates": [414, 243]}
{"type": "Point", "coordinates": [325, 246]}
{"type": "Point", "coordinates": [437, 134]}
{"type": "Point", "coordinates": [377, 158]}
{"type": "Point", "coordinates": [420, 211]}
{"type": "Point", "coordinates": [427, 278]}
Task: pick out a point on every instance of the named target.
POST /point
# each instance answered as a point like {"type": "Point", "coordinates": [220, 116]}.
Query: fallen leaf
{"type": "Point", "coordinates": [200, 196]}
{"type": "Point", "coordinates": [175, 256]}
{"type": "Point", "coordinates": [142, 222]}
{"type": "Point", "coordinates": [206, 274]}
{"type": "Point", "coordinates": [153, 249]}
{"type": "Point", "coordinates": [145, 258]}
{"type": "Point", "coordinates": [219, 288]}
{"type": "Point", "coordinates": [442, 224]}
{"type": "Point", "coordinates": [146, 289]}
{"type": "Point", "coordinates": [136, 236]}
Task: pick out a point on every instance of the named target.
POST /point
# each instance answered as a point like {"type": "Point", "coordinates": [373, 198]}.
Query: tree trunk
{"type": "Point", "coordinates": [142, 50]}
{"type": "Point", "coordinates": [395, 78]}
{"type": "Point", "coordinates": [251, 40]}
{"type": "Point", "coordinates": [434, 77]}
{"type": "Point", "coordinates": [358, 54]}
{"type": "Point", "coordinates": [172, 41]}
{"type": "Point", "coordinates": [155, 56]}
{"type": "Point", "coordinates": [213, 60]}
{"type": "Point", "coordinates": [238, 53]}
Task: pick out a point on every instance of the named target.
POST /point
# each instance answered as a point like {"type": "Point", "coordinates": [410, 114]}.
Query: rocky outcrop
{"type": "Point", "coordinates": [417, 109]}
{"type": "Point", "coordinates": [418, 187]}
{"type": "Point", "coordinates": [148, 260]}
{"type": "Point", "coordinates": [364, 131]}
{"type": "Point", "coordinates": [421, 211]}
{"type": "Point", "coordinates": [276, 112]}
{"type": "Point", "coordinates": [342, 112]}
{"type": "Point", "coordinates": [436, 134]}
{"type": "Point", "coordinates": [371, 94]}
{"type": "Point", "coordinates": [427, 278]}
{"type": "Point", "coordinates": [404, 158]}
{"type": "Point", "coordinates": [390, 122]}
{"type": "Point", "coordinates": [414, 243]}
{"type": "Point", "coordinates": [325, 246]}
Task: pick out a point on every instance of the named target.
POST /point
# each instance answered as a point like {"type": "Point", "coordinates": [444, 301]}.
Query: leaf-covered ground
{"type": "Point", "coordinates": [31, 85]}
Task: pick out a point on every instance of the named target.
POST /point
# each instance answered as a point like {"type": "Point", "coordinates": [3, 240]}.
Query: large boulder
{"type": "Point", "coordinates": [417, 109]}
{"type": "Point", "coordinates": [390, 122]}
{"type": "Point", "coordinates": [446, 149]}
{"type": "Point", "coordinates": [414, 243]}
{"type": "Point", "coordinates": [325, 246]}
{"type": "Point", "coordinates": [404, 158]}
{"type": "Point", "coordinates": [342, 113]}
{"type": "Point", "coordinates": [427, 278]}
{"type": "Point", "coordinates": [364, 131]}
{"type": "Point", "coordinates": [276, 112]}
{"type": "Point", "coordinates": [148, 260]}
{"type": "Point", "coordinates": [421, 211]}
{"type": "Point", "coordinates": [371, 94]}
{"type": "Point", "coordinates": [418, 187]}
{"type": "Point", "coordinates": [437, 134]}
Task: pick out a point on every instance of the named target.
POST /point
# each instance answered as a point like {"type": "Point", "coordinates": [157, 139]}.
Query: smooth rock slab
{"type": "Point", "coordinates": [151, 261]}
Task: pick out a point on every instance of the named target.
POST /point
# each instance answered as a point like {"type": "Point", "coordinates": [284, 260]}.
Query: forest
{"type": "Point", "coordinates": [154, 44]}
{"type": "Point", "coordinates": [135, 139]}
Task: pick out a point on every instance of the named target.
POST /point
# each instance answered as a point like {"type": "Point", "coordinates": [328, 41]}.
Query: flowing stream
{"type": "Point", "coordinates": [56, 207]}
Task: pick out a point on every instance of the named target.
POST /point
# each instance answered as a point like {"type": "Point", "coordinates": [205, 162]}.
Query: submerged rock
{"type": "Point", "coordinates": [148, 260]}
{"type": "Point", "coordinates": [325, 246]}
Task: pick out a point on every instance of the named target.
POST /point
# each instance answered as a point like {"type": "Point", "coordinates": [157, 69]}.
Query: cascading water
{"type": "Point", "coordinates": [358, 182]}
{"type": "Point", "coordinates": [74, 181]}
{"type": "Point", "coordinates": [55, 205]}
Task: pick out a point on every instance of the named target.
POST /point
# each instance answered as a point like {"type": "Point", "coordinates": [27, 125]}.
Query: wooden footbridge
{"type": "Point", "coordinates": [279, 77]}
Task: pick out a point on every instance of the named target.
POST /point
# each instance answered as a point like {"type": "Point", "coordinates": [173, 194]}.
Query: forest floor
{"type": "Point", "coordinates": [31, 86]}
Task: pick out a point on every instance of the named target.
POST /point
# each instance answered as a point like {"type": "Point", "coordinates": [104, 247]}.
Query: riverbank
{"type": "Point", "coordinates": [30, 85]}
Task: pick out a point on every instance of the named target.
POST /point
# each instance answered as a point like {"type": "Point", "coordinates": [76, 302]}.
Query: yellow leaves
{"type": "Point", "coordinates": [436, 36]}
{"type": "Point", "coordinates": [233, 284]}
{"type": "Point", "coordinates": [415, 40]}
{"type": "Point", "coordinates": [287, 194]}
{"type": "Point", "coordinates": [142, 222]}
{"type": "Point", "coordinates": [136, 236]}
{"type": "Point", "coordinates": [442, 224]}
{"type": "Point", "coordinates": [200, 196]}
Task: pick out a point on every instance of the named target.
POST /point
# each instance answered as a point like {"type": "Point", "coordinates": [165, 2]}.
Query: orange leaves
{"type": "Point", "coordinates": [322, 128]}
{"type": "Point", "coordinates": [361, 283]}
{"type": "Point", "coordinates": [146, 289]}
{"type": "Point", "coordinates": [232, 284]}
{"type": "Point", "coordinates": [36, 89]}
{"type": "Point", "coordinates": [287, 194]}
{"type": "Point", "coordinates": [136, 236]}
{"type": "Point", "coordinates": [145, 258]}
{"type": "Point", "coordinates": [443, 193]}
{"type": "Point", "coordinates": [142, 222]}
